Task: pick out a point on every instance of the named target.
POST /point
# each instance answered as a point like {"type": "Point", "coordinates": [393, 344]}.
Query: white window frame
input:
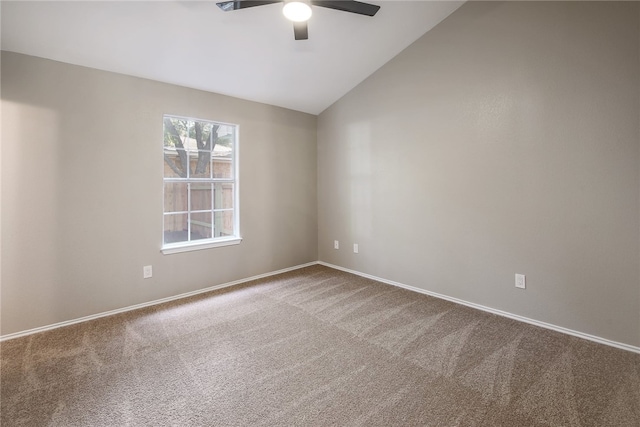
{"type": "Point", "coordinates": [213, 242]}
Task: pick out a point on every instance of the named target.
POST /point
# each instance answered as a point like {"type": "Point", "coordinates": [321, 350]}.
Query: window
{"type": "Point", "coordinates": [200, 184]}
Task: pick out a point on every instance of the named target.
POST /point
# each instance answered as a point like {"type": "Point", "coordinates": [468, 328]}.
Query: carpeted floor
{"type": "Point", "coordinates": [314, 347]}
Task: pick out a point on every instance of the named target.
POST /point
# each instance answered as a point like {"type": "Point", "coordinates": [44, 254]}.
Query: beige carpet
{"type": "Point", "coordinates": [314, 347]}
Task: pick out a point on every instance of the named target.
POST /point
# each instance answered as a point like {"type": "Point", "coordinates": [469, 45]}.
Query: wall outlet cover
{"type": "Point", "coordinates": [520, 281]}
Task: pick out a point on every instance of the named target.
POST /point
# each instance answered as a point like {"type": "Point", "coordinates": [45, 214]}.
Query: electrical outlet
{"type": "Point", "coordinates": [336, 244]}
{"type": "Point", "coordinates": [355, 248]}
{"type": "Point", "coordinates": [147, 272]}
{"type": "Point", "coordinates": [520, 281]}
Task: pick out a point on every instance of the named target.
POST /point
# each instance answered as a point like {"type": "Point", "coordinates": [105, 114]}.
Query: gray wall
{"type": "Point", "coordinates": [82, 202]}
{"type": "Point", "coordinates": [505, 140]}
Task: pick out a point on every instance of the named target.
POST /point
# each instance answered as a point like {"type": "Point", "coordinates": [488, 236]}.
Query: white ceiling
{"type": "Point", "coordinates": [247, 53]}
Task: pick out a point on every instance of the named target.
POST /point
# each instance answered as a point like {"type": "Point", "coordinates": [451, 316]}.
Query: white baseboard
{"type": "Point", "coordinates": [148, 304]}
{"type": "Point", "coordinates": [493, 310]}
{"type": "Point", "coordinates": [545, 325]}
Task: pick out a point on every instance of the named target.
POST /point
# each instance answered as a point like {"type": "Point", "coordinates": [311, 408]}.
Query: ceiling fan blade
{"type": "Point", "coordinates": [300, 30]}
{"type": "Point", "coordinates": [235, 5]}
{"type": "Point", "coordinates": [348, 6]}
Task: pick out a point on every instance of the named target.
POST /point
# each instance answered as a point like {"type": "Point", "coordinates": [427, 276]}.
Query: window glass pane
{"type": "Point", "coordinates": [175, 154]}
{"type": "Point", "coordinates": [200, 225]}
{"type": "Point", "coordinates": [175, 163]}
{"type": "Point", "coordinates": [175, 197]}
{"type": "Point", "coordinates": [200, 164]}
{"type": "Point", "coordinates": [207, 131]}
{"type": "Point", "coordinates": [222, 155]}
{"type": "Point", "coordinates": [199, 142]}
{"type": "Point", "coordinates": [223, 195]}
{"type": "Point", "coordinates": [175, 228]}
{"type": "Point", "coordinates": [222, 164]}
{"type": "Point", "coordinates": [200, 196]}
{"type": "Point", "coordinates": [187, 131]}
{"type": "Point", "coordinates": [223, 224]}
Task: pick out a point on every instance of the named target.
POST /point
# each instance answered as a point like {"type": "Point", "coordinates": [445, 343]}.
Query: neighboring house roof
{"type": "Point", "coordinates": [192, 146]}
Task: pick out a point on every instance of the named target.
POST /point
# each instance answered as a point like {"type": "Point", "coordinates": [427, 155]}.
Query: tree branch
{"type": "Point", "coordinates": [214, 137]}
{"type": "Point", "coordinates": [204, 146]}
{"type": "Point", "coordinates": [198, 128]}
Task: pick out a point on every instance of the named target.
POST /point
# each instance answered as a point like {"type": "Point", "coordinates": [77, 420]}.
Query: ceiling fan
{"type": "Point", "coordinates": [299, 11]}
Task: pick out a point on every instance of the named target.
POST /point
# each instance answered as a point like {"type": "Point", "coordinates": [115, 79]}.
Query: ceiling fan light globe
{"type": "Point", "coordinates": [297, 11]}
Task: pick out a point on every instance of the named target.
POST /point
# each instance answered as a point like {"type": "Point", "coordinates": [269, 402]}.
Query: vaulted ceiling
{"type": "Point", "coordinates": [249, 53]}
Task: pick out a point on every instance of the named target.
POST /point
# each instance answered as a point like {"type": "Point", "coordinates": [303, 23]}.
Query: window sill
{"type": "Point", "coordinates": [187, 247]}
